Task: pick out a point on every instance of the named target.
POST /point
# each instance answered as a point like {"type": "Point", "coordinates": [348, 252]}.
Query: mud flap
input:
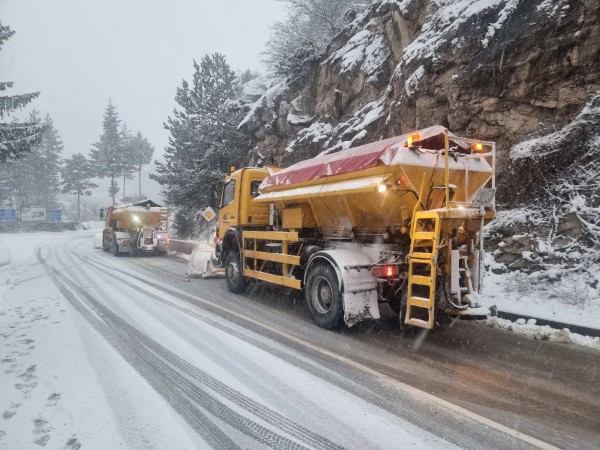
{"type": "Point", "coordinates": [357, 285]}
{"type": "Point", "coordinates": [359, 306]}
{"type": "Point", "coordinates": [359, 290]}
{"type": "Point", "coordinates": [201, 263]}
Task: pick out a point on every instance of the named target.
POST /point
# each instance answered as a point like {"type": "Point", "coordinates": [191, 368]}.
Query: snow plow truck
{"type": "Point", "coordinates": [396, 221]}
{"type": "Point", "coordinates": [135, 228]}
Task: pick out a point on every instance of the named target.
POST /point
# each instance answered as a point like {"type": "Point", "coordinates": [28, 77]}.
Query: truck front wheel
{"type": "Point", "coordinates": [323, 297]}
{"type": "Point", "coordinates": [234, 277]}
{"type": "Point", "coordinates": [105, 245]}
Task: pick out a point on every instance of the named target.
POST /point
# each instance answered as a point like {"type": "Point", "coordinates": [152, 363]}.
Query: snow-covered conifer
{"type": "Point", "coordinates": [142, 155]}
{"type": "Point", "coordinates": [76, 174]}
{"type": "Point", "coordinates": [107, 152]}
{"type": "Point", "coordinates": [16, 138]}
{"type": "Point", "coordinates": [204, 139]}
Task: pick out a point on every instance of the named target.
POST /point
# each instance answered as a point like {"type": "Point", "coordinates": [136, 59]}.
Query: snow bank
{"type": "Point", "coordinates": [544, 332]}
{"type": "Point", "coordinates": [94, 225]}
{"type": "Point", "coordinates": [98, 240]}
{"type": "Point", "coordinates": [4, 254]}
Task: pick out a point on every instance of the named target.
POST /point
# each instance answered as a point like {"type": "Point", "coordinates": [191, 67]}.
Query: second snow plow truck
{"type": "Point", "coordinates": [135, 228]}
{"type": "Point", "coordinates": [396, 221]}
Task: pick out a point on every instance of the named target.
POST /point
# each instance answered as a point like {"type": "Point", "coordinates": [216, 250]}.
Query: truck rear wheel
{"type": "Point", "coordinates": [234, 277]}
{"type": "Point", "coordinates": [323, 297]}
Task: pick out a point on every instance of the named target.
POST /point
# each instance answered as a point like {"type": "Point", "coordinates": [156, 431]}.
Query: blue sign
{"type": "Point", "coordinates": [55, 215]}
{"type": "Point", "coordinates": [8, 215]}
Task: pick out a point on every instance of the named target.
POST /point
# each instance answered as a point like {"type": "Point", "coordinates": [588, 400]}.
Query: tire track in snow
{"type": "Point", "coordinates": [459, 438]}
{"type": "Point", "coordinates": [172, 367]}
{"type": "Point", "coordinates": [403, 409]}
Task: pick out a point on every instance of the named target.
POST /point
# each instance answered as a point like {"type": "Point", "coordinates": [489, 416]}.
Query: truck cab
{"type": "Point", "coordinates": [238, 211]}
{"type": "Point", "coordinates": [236, 207]}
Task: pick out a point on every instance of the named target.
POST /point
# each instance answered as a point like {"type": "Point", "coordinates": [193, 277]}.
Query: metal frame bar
{"type": "Point", "coordinates": [283, 258]}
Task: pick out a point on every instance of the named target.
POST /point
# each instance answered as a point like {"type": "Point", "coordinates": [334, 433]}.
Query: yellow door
{"type": "Point", "coordinates": [229, 210]}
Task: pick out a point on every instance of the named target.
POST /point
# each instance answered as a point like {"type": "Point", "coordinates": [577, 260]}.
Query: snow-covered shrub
{"type": "Point", "coordinates": [561, 173]}
{"type": "Point", "coordinates": [307, 31]}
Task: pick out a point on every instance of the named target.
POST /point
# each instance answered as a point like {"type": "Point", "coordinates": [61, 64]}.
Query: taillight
{"type": "Point", "coordinates": [385, 271]}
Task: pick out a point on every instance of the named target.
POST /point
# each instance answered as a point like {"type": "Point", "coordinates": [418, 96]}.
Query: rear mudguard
{"type": "Point", "coordinates": [357, 285]}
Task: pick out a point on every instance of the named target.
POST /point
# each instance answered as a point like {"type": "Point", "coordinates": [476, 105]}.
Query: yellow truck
{"type": "Point", "coordinates": [396, 221]}
{"type": "Point", "coordinates": [135, 228]}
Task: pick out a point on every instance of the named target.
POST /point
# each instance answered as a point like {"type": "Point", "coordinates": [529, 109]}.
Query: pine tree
{"type": "Point", "coordinates": [107, 152]}
{"type": "Point", "coordinates": [204, 139]}
{"type": "Point", "coordinates": [50, 148]}
{"type": "Point", "coordinates": [142, 155]}
{"type": "Point", "coordinates": [34, 178]}
{"type": "Point", "coordinates": [76, 175]}
{"type": "Point", "coordinates": [127, 155]}
{"type": "Point", "coordinates": [16, 138]}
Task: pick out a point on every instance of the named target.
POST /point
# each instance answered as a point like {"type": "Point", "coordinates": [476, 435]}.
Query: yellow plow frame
{"type": "Point", "coordinates": [260, 258]}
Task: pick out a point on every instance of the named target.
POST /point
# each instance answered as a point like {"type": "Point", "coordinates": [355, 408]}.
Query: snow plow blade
{"type": "Point", "coordinates": [98, 240]}
{"type": "Point", "coordinates": [201, 263]}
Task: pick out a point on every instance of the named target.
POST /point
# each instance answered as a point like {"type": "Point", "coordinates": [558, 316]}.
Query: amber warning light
{"type": "Point", "coordinates": [384, 271]}
{"type": "Point", "coordinates": [411, 139]}
{"type": "Point", "coordinates": [478, 147]}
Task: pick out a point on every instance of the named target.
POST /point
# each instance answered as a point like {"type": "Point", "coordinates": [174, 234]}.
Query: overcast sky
{"type": "Point", "coordinates": [80, 53]}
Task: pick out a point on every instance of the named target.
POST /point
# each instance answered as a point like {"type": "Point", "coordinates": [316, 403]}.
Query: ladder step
{"type": "Point", "coordinates": [427, 257]}
{"type": "Point", "coordinates": [420, 280]}
{"type": "Point", "coordinates": [420, 302]}
{"type": "Point", "coordinates": [429, 235]}
{"type": "Point", "coordinates": [419, 323]}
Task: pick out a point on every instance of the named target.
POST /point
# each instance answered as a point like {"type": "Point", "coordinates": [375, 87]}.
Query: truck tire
{"type": "Point", "coordinates": [105, 246]}
{"type": "Point", "coordinates": [115, 247]}
{"type": "Point", "coordinates": [234, 277]}
{"type": "Point", "coordinates": [323, 297]}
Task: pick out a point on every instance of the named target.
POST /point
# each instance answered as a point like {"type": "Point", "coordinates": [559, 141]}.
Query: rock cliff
{"type": "Point", "coordinates": [498, 70]}
{"type": "Point", "coordinates": [523, 73]}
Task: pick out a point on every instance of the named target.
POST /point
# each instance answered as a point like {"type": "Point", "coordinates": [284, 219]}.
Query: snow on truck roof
{"type": "Point", "coordinates": [358, 158]}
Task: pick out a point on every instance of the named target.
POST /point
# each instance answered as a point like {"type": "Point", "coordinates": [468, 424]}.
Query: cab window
{"type": "Point", "coordinates": [254, 188]}
{"type": "Point", "coordinates": [228, 193]}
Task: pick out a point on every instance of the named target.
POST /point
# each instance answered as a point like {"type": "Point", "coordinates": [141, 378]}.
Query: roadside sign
{"type": "Point", "coordinates": [33, 214]}
{"type": "Point", "coordinates": [55, 215]}
{"type": "Point", "coordinates": [8, 215]}
{"type": "Point", "coordinates": [209, 214]}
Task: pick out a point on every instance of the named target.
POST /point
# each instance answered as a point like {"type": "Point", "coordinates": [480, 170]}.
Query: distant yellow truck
{"type": "Point", "coordinates": [396, 221]}
{"type": "Point", "coordinates": [135, 228]}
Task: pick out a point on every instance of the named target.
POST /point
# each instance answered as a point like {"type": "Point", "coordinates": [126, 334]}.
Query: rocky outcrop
{"type": "Point", "coordinates": [496, 69]}
{"type": "Point", "coordinates": [523, 73]}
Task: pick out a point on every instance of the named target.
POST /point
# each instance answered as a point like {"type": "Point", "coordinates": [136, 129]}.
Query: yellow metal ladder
{"type": "Point", "coordinates": [424, 234]}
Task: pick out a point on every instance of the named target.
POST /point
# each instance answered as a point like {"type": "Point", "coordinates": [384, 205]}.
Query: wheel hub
{"type": "Point", "coordinates": [324, 295]}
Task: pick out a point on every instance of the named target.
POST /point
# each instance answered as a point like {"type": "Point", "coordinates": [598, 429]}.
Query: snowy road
{"type": "Point", "coordinates": [105, 352]}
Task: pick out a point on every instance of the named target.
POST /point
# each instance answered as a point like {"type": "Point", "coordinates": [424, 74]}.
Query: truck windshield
{"type": "Point", "coordinates": [228, 193]}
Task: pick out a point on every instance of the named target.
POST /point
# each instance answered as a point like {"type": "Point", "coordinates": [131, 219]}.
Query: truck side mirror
{"type": "Point", "coordinates": [101, 213]}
